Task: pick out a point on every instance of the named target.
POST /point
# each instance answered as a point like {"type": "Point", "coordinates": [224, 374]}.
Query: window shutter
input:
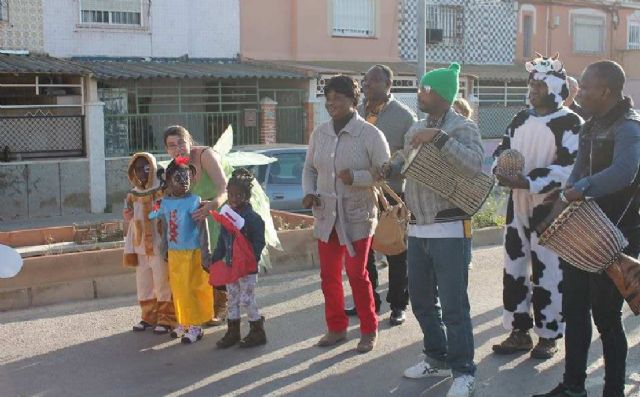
{"type": "Point", "coordinates": [111, 5]}
{"type": "Point", "coordinates": [353, 18]}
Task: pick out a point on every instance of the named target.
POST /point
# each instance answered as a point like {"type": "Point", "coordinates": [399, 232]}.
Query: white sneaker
{"type": "Point", "coordinates": [177, 332]}
{"type": "Point", "coordinates": [462, 386]}
{"type": "Point", "coordinates": [424, 370]}
{"type": "Point", "coordinates": [193, 335]}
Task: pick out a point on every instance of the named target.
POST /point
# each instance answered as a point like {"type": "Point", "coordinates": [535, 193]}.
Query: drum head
{"type": "Point", "coordinates": [10, 262]}
{"type": "Point", "coordinates": [409, 160]}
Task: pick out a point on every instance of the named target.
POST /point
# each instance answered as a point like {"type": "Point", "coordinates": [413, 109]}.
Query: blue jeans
{"type": "Point", "coordinates": [439, 267]}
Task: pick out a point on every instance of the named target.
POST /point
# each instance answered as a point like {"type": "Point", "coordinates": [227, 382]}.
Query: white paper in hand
{"type": "Point", "coordinates": [10, 262]}
{"type": "Point", "coordinates": [233, 216]}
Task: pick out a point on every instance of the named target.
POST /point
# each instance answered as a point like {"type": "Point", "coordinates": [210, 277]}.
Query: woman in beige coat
{"type": "Point", "coordinates": [343, 157]}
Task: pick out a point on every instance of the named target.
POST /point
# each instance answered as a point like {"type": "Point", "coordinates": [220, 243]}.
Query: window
{"type": "Point", "coordinates": [354, 18]}
{"type": "Point", "coordinates": [588, 34]}
{"type": "Point", "coordinates": [287, 170]}
{"type": "Point", "coordinates": [448, 19]}
{"type": "Point", "coordinates": [633, 40]}
{"type": "Point", "coordinates": [111, 12]}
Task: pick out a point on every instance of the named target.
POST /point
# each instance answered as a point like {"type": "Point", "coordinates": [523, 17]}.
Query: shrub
{"type": "Point", "coordinates": [492, 213]}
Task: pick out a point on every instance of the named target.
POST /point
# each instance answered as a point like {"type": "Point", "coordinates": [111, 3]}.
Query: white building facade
{"type": "Point", "coordinates": [142, 28]}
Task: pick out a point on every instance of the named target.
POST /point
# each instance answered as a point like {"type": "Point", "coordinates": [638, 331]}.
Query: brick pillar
{"type": "Point", "coordinates": [268, 120]}
{"type": "Point", "coordinates": [309, 111]}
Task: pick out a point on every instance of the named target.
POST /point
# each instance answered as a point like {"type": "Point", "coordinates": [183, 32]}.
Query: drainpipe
{"type": "Point", "coordinates": [294, 29]}
{"type": "Point", "coordinates": [615, 21]}
{"type": "Point", "coordinates": [422, 44]}
{"type": "Point", "coordinates": [548, 28]}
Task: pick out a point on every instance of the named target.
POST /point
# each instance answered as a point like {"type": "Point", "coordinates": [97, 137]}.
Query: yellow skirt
{"type": "Point", "coordinates": [192, 294]}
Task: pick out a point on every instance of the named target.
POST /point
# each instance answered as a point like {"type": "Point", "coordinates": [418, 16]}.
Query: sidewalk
{"type": "Point", "coordinates": [87, 348]}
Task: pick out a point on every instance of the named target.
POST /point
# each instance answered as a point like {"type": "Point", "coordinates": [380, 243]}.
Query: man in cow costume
{"type": "Point", "coordinates": [546, 134]}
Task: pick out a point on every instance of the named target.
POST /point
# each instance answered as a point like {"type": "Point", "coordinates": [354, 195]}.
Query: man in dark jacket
{"type": "Point", "coordinates": [394, 119]}
{"type": "Point", "coordinates": [607, 170]}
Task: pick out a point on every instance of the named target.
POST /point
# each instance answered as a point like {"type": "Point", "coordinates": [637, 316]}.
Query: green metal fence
{"type": "Point", "coordinates": [129, 133]}
{"type": "Point", "coordinates": [289, 113]}
{"type": "Point", "coordinates": [290, 124]}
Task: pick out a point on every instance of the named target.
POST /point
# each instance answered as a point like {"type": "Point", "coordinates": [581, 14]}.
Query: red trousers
{"type": "Point", "coordinates": [332, 257]}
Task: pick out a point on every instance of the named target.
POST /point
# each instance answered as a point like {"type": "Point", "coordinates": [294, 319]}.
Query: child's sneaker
{"type": "Point", "coordinates": [462, 386]}
{"type": "Point", "coordinates": [161, 329]}
{"type": "Point", "coordinates": [141, 326]}
{"type": "Point", "coordinates": [425, 370]}
{"type": "Point", "coordinates": [177, 332]}
{"type": "Point", "coordinates": [193, 335]}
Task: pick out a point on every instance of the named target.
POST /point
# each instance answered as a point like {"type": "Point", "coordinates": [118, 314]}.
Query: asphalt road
{"type": "Point", "coordinates": [87, 349]}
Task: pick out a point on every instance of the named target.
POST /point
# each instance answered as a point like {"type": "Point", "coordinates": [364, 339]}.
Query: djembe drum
{"type": "Point", "coordinates": [428, 167]}
{"type": "Point", "coordinates": [583, 236]}
{"type": "Point", "coordinates": [510, 163]}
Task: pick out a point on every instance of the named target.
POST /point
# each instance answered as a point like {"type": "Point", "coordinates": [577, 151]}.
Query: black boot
{"type": "Point", "coordinates": [256, 335]}
{"type": "Point", "coordinates": [232, 336]}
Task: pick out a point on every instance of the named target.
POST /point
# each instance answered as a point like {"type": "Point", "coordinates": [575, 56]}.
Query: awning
{"type": "Point", "coordinates": [482, 72]}
{"type": "Point", "coordinates": [36, 63]}
{"type": "Point", "coordinates": [185, 68]}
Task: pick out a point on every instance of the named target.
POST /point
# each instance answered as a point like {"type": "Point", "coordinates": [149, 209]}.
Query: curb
{"type": "Point", "coordinates": [86, 275]}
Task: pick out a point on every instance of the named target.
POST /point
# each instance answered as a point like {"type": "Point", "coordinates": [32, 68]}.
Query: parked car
{"type": "Point", "coordinates": [281, 179]}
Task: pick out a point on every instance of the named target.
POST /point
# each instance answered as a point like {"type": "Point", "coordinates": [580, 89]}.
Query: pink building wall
{"type": "Point", "coordinates": [558, 37]}
{"type": "Point", "coordinates": [301, 31]}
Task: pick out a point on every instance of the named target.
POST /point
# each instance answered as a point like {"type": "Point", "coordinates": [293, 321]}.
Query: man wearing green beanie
{"type": "Point", "coordinates": [445, 82]}
{"type": "Point", "coordinates": [439, 248]}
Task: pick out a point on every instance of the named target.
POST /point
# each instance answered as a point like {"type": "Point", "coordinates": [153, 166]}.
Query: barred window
{"type": "Point", "coordinates": [633, 41]}
{"type": "Point", "coordinates": [449, 19]}
{"type": "Point", "coordinates": [588, 34]}
{"type": "Point", "coordinates": [354, 18]}
{"type": "Point", "coordinates": [111, 12]}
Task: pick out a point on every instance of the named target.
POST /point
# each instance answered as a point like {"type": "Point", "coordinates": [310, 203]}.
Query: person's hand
{"type": "Point", "coordinates": [424, 135]}
{"type": "Point", "coordinates": [383, 172]}
{"type": "Point", "coordinates": [513, 182]}
{"type": "Point", "coordinates": [551, 198]}
{"type": "Point", "coordinates": [202, 213]}
{"type": "Point", "coordinates": [127, 214]}
{"type": "Point", "coordinates": [310, 200]}
{"type": "Point", "coordinates": [346, 176]}
{"type": "Point", "coordinates": [572, 194]}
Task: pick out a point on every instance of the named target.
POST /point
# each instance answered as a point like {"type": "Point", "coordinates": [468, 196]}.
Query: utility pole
{"type": "Point", "coordinates": [422, 45]}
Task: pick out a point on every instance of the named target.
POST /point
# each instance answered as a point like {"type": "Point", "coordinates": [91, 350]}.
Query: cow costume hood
{"type": "Point", "coordinates": [552, 72]}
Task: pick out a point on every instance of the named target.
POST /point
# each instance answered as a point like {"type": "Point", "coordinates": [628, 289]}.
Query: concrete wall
{"type": "Point", "coordinates": [301, 30]}
{"type": "Point", "coordinates": [39, 189]}
{"type": "Point", "coordinates": [197, 28]}
{"type": "Point", "coordinates": [22, 28]}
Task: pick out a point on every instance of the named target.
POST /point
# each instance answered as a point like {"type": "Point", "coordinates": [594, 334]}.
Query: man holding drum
{"type": "Point", "coordinates": [439, 249]}
{"type": "Point", "coordinates": [607, 170]}
{"type": "Point", "coordinates": [546, 137]}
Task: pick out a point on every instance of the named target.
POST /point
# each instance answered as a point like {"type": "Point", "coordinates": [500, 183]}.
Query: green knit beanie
{"type": "Point", "coordinates": [443, 81]}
